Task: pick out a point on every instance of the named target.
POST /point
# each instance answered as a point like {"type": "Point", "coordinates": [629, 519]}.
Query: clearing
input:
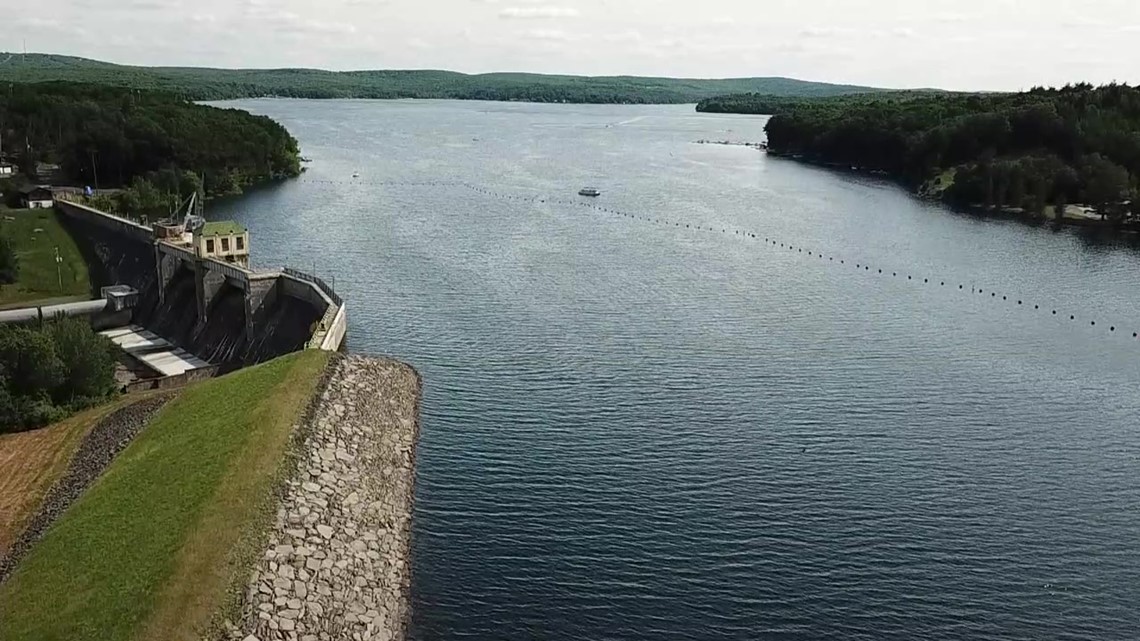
{"type": "Point", "coordinates": [38, 277]}
{"type": "Point", "coordinates": [154, 549]}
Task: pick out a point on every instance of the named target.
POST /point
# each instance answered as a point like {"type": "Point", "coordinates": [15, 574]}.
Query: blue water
{"type": "Point", "coordinates": [637, 430]}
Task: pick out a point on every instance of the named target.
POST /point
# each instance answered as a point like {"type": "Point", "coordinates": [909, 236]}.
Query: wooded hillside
{"type": "Point", "coordinates": [109, 137]}
{"type": "Point", "coordinates": [220, 84]}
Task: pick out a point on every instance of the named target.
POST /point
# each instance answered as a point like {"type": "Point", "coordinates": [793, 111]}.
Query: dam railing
{"type": "Point", "coordinates": [318, 281]}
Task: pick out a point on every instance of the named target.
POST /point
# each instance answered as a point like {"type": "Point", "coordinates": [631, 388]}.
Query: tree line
{"type": "Point", "coordinates": [1078, 143]}
{"type": "Point", "coordinates": [113, 137]}
{"type": "Point", "coordinates": [49, 372]}
{"type": "Point", "coordinates": [222, 84]}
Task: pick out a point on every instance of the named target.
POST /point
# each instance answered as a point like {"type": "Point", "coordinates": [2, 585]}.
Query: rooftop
{"type": "Point", "coordinates": [222, 228]}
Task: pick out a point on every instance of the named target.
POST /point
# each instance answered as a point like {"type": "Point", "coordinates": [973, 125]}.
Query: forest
{"type": "Point", "coordinates": [113, 137]}
{"type": "Point", "coordinates": [221, 84]}
{"type": "Point", "coordinates": [1029, 150]}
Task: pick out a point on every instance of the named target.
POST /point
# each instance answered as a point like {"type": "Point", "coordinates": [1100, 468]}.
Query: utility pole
{"type": "Point", "coordinates": [94, 170]}
{"type": "Point", "coordinates": [59, 268]}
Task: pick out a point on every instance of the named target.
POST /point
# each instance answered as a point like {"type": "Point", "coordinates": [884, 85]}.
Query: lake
{"type": "Point", "coordinates": [644, 418]}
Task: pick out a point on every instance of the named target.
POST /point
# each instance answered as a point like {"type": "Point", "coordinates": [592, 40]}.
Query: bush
{"type": "Point", "coordinates": [9, 262]}
{"type": "Point", "coordinates": [48, 372]}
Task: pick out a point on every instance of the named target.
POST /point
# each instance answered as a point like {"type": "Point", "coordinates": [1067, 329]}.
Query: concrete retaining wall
{"type": "Point", "coordinates": [334, 338]}
{"type": "Point", "coordinates": [127, 228]}
{"type": "Point", "coordinates": [180, 380]}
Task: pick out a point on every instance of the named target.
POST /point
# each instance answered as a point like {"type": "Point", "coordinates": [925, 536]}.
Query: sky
{"type": "Point", "coordinates": [964, 45]}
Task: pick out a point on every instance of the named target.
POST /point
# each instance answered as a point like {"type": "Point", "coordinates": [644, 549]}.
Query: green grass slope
{"type": "Point", "coordinates": [218, 84]}
{"type": "Point", "coordinates": [150, 551]}
{"type": "Point", "coordinates": [38, 278]}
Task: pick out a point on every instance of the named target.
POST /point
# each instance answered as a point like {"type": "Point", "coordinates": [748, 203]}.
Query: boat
{"type": "Point", "coordinates": [356, 174]}
{"type": "Point", "coordinates": [589, 191]}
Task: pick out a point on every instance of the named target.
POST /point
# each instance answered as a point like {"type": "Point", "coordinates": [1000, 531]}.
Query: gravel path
{"type": "Point", "coordinates": [336, 564]}
{"type": "Point", "coordinates": [109, 437]}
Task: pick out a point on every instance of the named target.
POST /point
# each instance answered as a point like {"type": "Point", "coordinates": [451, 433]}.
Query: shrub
{"type": "Point", "coordinates": [48, 372]}
{"type": "Point", "coordinates": [9, 262]}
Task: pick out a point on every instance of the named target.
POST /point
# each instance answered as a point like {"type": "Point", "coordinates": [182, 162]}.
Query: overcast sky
{"type": "Point", "coordinates": [965, 44]}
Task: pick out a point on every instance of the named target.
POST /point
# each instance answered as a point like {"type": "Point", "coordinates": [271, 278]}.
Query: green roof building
{"type": "Point", "coordinates": [223, 240]}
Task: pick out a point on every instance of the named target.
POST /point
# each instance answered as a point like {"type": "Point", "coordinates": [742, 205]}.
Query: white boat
{"type": "Point", "coordinates": [589, 191]}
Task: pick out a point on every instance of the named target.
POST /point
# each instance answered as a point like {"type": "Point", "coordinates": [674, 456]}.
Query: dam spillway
{"type": "Point", "coordinates": [222, 313]}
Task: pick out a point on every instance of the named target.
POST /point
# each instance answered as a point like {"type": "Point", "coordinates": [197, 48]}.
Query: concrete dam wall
{"type": "Point", "coordinates": [217, 311]}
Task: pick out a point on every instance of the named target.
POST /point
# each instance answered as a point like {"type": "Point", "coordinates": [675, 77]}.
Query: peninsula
{"type": "Point", "coordinates": [1032, 153]}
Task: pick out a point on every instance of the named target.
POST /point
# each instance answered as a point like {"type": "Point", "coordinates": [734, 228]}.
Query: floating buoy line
{"type": "Point", "coordinates": [765, 240]}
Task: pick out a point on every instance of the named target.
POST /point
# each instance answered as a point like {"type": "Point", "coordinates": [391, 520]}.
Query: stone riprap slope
{"type": "Point", "coordinates": [336, 564]}
{"type": "Point", "coordinates": [109, 437]}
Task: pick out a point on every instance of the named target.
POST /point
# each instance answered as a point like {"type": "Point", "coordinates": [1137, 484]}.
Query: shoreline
{"type": "Point", "coordinates": [977, 209]}
{"type": "Point", "coordinates": [336, 562]}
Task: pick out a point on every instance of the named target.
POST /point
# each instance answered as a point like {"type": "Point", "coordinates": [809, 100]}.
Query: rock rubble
{"type": "Point", "coordinates": [336, 563]}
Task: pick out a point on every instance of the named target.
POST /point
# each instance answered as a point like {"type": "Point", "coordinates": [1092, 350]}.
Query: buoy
{"type": "Point", "coordinates": [1071, 317]}
{"type": "Point", "coordinates": [1093, 323]}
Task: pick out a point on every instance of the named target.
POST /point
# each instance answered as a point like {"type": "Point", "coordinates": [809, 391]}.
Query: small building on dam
{"type": "Point", "coordinates": [197, 304]}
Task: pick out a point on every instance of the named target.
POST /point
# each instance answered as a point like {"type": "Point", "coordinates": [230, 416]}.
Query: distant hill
{"type": "Point", "coordinates": [219, 84]}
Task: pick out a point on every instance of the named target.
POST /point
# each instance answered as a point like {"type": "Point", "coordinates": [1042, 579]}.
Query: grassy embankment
{"type": "Point", "coordinates": [35, 459]}
{"type": "Point", "coordinates": [38, 279]}
{"type": "Point", "coordinates": [155, 548]}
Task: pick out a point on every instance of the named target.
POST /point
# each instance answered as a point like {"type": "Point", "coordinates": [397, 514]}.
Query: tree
{"type": "Point", "coordinates": [1105, 183]}
{"type": "Point", "coordinates": [9, 261]}
{"type": "Point", "coordinates": [88, 360]}
{"type": "Point", "coordinates": [47, 372]}
{"type": "Point", "coordinates": [30, 362]}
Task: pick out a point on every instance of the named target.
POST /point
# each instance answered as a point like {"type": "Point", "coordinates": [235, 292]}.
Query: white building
{"type": "Point", "coordinates": [37, 198]}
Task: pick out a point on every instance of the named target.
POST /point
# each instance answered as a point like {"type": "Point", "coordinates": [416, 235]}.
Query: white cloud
{"type": "Point", "coordinates": [551, 35]}
{"type": "Point", "coordinates": [538, 12]}
{"type": "Point", "coordinates": [825, 32]}
{"type": "Point", "coordinates": [969, 44]}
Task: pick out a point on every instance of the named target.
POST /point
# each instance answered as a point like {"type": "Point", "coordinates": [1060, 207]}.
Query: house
{"type": "Point", "coordinates": [37, 197]}
{"type": "Point", "coordinates": [7, 169]}
{"type": "Point", "coordinates": [223, 240]}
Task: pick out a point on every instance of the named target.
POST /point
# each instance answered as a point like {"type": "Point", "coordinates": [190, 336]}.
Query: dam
{"type": "Point", "coordinates": [202, 313]}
